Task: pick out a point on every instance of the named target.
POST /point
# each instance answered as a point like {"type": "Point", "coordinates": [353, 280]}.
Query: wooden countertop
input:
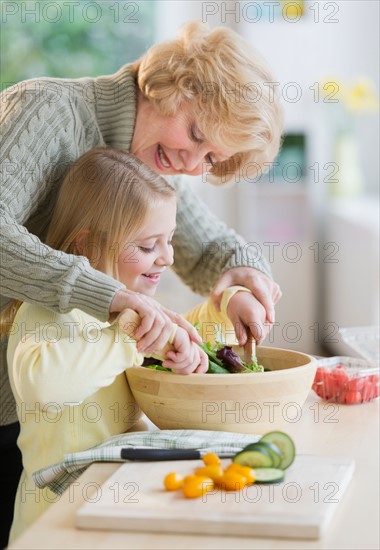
{"type": "Point", "coordinates": [324, 429]}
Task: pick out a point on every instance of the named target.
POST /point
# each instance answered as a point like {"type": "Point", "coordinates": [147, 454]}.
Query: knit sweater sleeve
{"type": "Point", "coordinates": [204, 247]}
{"type": "Point", "coordinates": [42, 133]}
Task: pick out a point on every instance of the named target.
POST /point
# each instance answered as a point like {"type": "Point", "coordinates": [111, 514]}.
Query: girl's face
{"type": "Point", "coordinates": [173, 145]}
{"type": "Point", "coordinates": [146, 256]}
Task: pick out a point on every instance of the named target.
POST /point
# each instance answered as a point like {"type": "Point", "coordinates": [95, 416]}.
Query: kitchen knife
{"type": "Point", "coordinates": [168, 454]}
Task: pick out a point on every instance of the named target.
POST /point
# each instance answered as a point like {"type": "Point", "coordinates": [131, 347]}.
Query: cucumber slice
{"type": "Point", "coordinates": [274, 451]}
{"type": "Point", "coordinates": [286, 445]}
{"type": "Point", "coordinates": [256, 458]}
{"type": "Point", "coordinates": [269, 475]}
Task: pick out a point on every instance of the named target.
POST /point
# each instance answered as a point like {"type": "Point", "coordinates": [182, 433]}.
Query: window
{"type": "Point", "coordinates": [72, 39]}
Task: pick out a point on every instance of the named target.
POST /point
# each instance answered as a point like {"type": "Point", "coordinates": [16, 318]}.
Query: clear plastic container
{"type": "Point", "coordinates": [346, 380]}
{"type": "Point", "coordinates": [364, 340]}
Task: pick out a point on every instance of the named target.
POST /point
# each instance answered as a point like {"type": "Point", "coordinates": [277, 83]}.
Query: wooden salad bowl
{"type": "Point", "coordinates": [248, 403]}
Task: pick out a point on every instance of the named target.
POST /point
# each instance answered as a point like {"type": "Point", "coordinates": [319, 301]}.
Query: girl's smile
{"type": "Point", "coordinates": [142, 262]}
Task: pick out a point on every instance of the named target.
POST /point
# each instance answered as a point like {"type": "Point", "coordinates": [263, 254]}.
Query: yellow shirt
{"type": "Point", "coordinates": [67, 376]}
{"type": "Point", "coordinates": [214, 323]}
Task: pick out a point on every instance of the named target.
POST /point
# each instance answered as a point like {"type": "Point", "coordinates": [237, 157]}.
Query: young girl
{"type": "Point", "coordinates": [67, 370]}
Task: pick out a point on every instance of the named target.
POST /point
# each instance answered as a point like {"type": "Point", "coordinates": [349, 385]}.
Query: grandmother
{"type": "Point", "coordinates": [201, 103]}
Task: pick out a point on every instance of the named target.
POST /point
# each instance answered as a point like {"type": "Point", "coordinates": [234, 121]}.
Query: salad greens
{"type": "Point", "coordinates": [222, 360]}
{"type": "Point", "coordinates": [223, 357]}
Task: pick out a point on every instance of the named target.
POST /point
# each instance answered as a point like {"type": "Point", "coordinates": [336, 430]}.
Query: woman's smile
{"type": "Point", "coordinates": [162, 161]}
{"type": "Point", "coordinates": [169, 144]}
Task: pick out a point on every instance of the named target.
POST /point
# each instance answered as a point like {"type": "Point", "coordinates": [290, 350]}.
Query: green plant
{"type": "Point", "coordinates": [72, 39]}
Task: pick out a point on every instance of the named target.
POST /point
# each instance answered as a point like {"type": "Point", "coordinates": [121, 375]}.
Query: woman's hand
{"type": "Point", "coordinates": [186, 357]}
{"type": "Point", "coordinates": [156, 321]}
{"type": "Point", "coordinates": [248, 316]}
{"type": "Point", "coordinates": [266, 291]}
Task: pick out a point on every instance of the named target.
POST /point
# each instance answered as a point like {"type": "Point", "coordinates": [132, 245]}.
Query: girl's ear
{"type": "Point", "coordinates": [80, 241]}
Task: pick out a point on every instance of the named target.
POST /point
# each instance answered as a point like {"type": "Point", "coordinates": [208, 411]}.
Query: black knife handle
{"type": "Point", "coordinates": [160, 454]}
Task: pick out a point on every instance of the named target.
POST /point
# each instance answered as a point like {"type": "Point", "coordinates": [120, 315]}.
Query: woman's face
{"type": "Point", "coordinates": [145, 257]}
{"type": "Point", "coordinates": [173, 145]}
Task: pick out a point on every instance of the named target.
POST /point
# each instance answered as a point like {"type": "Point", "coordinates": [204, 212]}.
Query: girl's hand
{"type": "Point", "coordinates": [266, 291]}
{"type": "Point", "coordinates": [186, 357]}
{"type": "Point", "coordinates": [248, 316]}
{"type": "Point", "coordinates": [156, 321]}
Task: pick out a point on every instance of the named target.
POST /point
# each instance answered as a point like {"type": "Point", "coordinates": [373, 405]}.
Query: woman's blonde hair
{"type": "Point", "coordinates": [229, 86]}
{"type": "Point", "coordinates": [105, 195]}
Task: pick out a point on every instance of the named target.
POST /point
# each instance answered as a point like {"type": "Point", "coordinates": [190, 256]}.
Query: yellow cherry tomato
{"type": "Point", "coordinates": [195, 488]}
{"type": "Point", "coordinates": [211, 459]}
{"type": "Point", "coordinates": [191, 477]}
{"type": "Point", "coordinates": [173, 481]}
{"type": "Point", "coordinates": [214, 471]}
{"type": "Point", "coordinates": [246, 471]}
{"type": "Point", "coordinates": [232, 481]}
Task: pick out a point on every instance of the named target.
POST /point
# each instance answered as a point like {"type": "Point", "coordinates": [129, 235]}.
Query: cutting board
{"type": "Point", "coordinates": [133, 499]}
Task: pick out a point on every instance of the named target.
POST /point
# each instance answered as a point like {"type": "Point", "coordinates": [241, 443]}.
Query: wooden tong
{"type": "Point", "coordinates": [129, 321]}
{"type": "Point", "coordinates": [249, 350]}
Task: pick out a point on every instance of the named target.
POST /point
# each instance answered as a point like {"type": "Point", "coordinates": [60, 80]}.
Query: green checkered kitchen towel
{"type": "Point", "coordinates": [59, 476]}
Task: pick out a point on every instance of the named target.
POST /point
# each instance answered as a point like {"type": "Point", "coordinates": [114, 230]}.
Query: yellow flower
{"type": "Point", "coordinates": [361, 97]}
{"type": "Point", "coordinates": [293, 9]}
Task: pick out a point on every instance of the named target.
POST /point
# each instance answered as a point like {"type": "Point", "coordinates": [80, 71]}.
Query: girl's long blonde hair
{"type": "Point", "coordinates": [105, 196]}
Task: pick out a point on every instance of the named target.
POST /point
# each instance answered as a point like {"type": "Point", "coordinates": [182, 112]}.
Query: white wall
{"type": "Point", "coordinates": [351, 285]}
{"type": "Point", "coordinates": [339, 41]}
{"type": "Point", "coordinates": [316, 48]}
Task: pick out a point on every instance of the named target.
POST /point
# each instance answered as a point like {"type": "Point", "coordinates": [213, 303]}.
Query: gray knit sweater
{"type": "Point", "coordinates": [46, 124]}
